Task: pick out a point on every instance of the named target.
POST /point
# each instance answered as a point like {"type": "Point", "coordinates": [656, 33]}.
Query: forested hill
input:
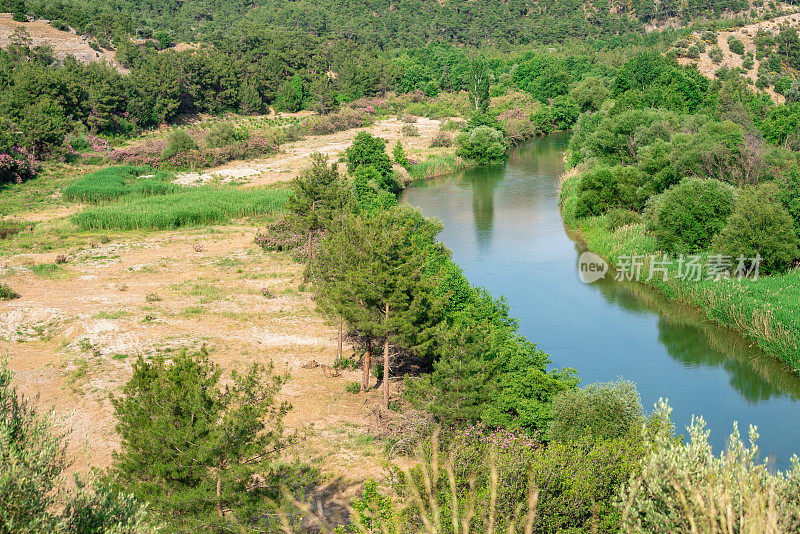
{"type": "Point", "coordinates": [377, 23]}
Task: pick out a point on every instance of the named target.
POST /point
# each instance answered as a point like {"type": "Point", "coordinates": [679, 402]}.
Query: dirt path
{"type": "Point", "coordinates": [72, 337]}
{"type": "Point", "coordinates": [296, 156]}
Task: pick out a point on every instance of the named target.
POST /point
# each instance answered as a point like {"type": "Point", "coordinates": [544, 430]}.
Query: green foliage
{"type": "Point", "coordinates": [603, 188]}
{"type": "Point", "coordinates": [606, 410]}
{"type": "Point", "coordinates": [194, 206]}
{"type": "Point", "coordinates": [590, 93]}
{"type": "Point", "coordinates": [178, 142]}
{"type": "Point", "coordinates": [114, 182]}
{"type": "Point", "coordinates": [193, 447]}
{"type": "Point", "coordinates": [32, 464]}
{"type": "Point", "coordinates": [483, 145]}
{"type": "Point", "coordinates": [736, 46]}
{"type": "Point", "coordinates": [6, 293]}
{"type": "Point", "coordinates": [370, 272]}
{"type": "Point", "coordinates": [370, 151]}
{"type": "Point", "coordinates": [224, 134]}
{"type": "Point", "coordinates": [682, 485]}
{"type": "Point", "coordinates": [400, 157]}
{"type": "Point", "coordinates": [715, 53]}
{"type": "Point", "coordinates": [564, 112]}
{"type": "Point", "coordinates": [687, 216]}
{"type": "Point", "coordinates": [760, 225]}
{"type": "Point", "coordinates": [618, 217]}
{"type": "Point", "coordinates": [291, 95]}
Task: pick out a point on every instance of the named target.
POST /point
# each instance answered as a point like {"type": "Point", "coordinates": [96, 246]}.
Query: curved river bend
{"type": "Point", "coordinates": [504, 227]}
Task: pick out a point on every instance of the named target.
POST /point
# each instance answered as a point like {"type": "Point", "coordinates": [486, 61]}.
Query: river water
{"type": "Point", "coordinates": [505, 230]}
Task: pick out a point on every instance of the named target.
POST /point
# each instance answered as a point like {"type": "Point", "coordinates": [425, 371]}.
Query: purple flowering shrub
{"type": "Point", "coordinates": [279, 236]}
{"type": "Point", "coordinates": [345, 119]}
{"type": "Point", "coordinates": [150, 154]}
{"type": "Point", "coordinates": [17, 166]}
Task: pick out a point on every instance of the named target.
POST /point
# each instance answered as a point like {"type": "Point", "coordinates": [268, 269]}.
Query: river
{"type": "Point", "coordinates": [505, 230]}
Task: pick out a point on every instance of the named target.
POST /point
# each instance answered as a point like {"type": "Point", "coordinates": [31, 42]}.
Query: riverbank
{"type": "Point", "coordinates": [766, 311]}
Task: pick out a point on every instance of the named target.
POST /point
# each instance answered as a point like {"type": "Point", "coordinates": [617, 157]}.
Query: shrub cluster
{"type": "Point", "coordinates": [482, 144]}
{"type": "Point", "coordinates": [17, 166]}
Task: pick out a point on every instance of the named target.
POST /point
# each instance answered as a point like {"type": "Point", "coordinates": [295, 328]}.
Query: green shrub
{"type": "Point", "coordinates": [482, 144]}
{"type": "Point", "coordinates": [683, 484]}
{"type": "Point", "coordinates": [19, 16]}
{"type": "Point", "coordinates": [564, 111]}
{"type": "Point", "coordinates": [352, 387]}
{"type": "Point", "coordinates": [715, 53]}
{"type": "Point", "coordinates": [224, 134]}
{"type": "Point", "coordinates": [178, 142]}
{"type": "Point", "coordinates": [709, 37]}
{"type": "Point", "coordinates": [736, 46]}
{"type": "Point", "coordinates": [400, 157]}
{"type": "Point", "coordinates": [602, 188]}
{"type": "Point", "coordinates": [371, 151]}
{"type": "Point", "coordinates": [606, 410]}
{"type": "Point", "coordinates": [619, 217]}
{"type": "Point", "coordinates": [6, 293]}
{"type": "Point", "coordinates": [688, 215]}
{"type": "Point", "coordinates": [760, 225]}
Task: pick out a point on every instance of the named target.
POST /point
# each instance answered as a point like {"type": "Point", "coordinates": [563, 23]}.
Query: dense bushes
{"type": "Point", "coordinates": [759, 225]}
{"type": "Point", "coordinates": [17, 166]}
{"type": "Point", "coordinates": [482, 144]}
{"type": "Point", "coordinates": [178, 142]}
{"type": "Point", "coordinates": [687, 216]}
{"type": "Point", "coordinates": [603, 188]}
{"type": "Point", "coordinates": [608, 411]}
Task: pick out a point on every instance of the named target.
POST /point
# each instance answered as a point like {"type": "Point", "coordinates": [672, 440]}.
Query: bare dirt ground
{"type": "Point", "coordinates": [746, 34]}
{"type": "Point", "coordinates": [63, 43]}
{"type": "Point", "coordinates": [296, 156]}
{"type": "Point", "coordinates": [72, 337]}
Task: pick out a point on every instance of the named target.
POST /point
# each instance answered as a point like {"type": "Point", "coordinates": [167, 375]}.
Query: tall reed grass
{"type": "Point", "coordinates": [114, 182]}
{"type": "Point", "coordinates": [437, 166]}
{"type": "Point", "coordinates": [189, 207]}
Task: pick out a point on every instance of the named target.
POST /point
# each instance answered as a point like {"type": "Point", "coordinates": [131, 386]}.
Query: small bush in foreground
{"type": "Point", "coordinates": [618, 217]}
{"type": "Point", "coordinates": [683, 487]}
{"type": "Point", "coordinates": [6, 293]}
{"type": "Point", "coordinates": [225, 133]}
{"type": "Point", "coordinates": [688, 215]}
{"type": "Point", "coordinates": [409, 130]}
{"type": "Point", "coordinates": [32, 464]}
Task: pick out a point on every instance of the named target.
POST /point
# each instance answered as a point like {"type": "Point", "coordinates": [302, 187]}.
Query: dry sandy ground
{"type": "Point", "coordinates": [745, 34]}
{"type": "Point", "coordinates": [294, 157]}
{"type": "Point", "coordinates": [63, 43]}
{"type": "Point", "coordinates": [72, 337]}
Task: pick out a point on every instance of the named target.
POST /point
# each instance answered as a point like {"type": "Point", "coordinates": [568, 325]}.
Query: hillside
{"type": "Point", "coordinates": [731, 60]}
{"type": "Point", "coordinates": [64, 43]}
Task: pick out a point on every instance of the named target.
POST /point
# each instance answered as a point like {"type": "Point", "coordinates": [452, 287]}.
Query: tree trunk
{"type": "Point", "coordinates": [310, 252]}
{"type": "Point", "coordinates": [386, 366]}
{"type": "Point", "coordinates": [220, 512]}
{"type": "Point", "coordinates": [367, 359]}
{"type": "Point", "coordinates": [339, 348]}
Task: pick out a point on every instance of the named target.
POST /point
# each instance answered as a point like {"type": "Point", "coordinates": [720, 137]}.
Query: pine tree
{"type": "Point", "coordinates": [372, 273]}
{"type": "Point", "coordinates": [316, 198]}
{"type": "Point", "coordinates": [193, 447]}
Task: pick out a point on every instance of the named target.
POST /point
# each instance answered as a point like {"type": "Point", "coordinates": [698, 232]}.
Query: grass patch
{"type": "Point", "coordinates": [6, 293]}
{"type": "Point", "coordinates": [77, 376]}
{"type": "Point", "coordinates": [193, 311]}
{"type": "Point", "coordinates": [192, 207]}
{"type": "Point", "coordinates": [767, 310]}
{"type": "Point", "coordinates": [438, 166]}
{"type": "Point", "coordinates": [109, 184]}
{"type": "Point", "coordinates": [46, 270]}
{"type": "Point", "coordinates": [119, 314]}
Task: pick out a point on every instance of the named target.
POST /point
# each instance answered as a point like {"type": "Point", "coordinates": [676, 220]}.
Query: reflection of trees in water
{"type": "Point", "coordinates": [483, 204]}
{"type": "Point", "coordinates": [690, 338]}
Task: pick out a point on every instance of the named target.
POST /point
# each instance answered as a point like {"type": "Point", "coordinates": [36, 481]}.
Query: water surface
{"type": "Point", "coordinates": [505, 230]}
